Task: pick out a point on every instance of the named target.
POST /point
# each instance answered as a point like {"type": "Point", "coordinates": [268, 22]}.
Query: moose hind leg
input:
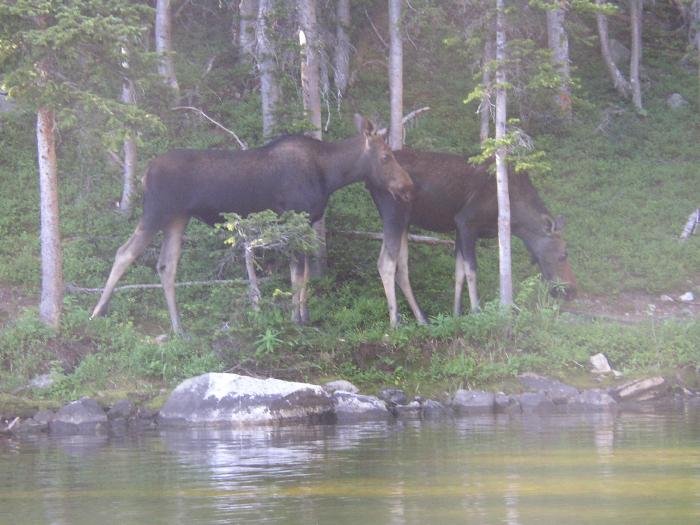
{"type": "Point", "coordinates": [167, 266]}
{"type": "Point", "coordinates": [299, 271]}
{"type": "Point", "coordinates": [126, 255]}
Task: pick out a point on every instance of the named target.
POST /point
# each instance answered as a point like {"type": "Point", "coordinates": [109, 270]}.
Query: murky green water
{"type": "Point", "coordinates": [630, 469]}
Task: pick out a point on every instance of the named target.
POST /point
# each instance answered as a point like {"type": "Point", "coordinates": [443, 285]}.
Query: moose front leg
{"type": "Point", "coordinates": [167, 267]}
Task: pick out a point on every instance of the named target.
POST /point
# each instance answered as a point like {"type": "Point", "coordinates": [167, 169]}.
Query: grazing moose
{"type": "Point", "coordinates": [450, 194]}
{"type": "Point", "coordinates": [295, 173]}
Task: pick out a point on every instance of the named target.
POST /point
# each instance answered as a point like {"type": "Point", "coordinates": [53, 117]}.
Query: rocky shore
{"type": "Point", "coordinates": [234, 401]}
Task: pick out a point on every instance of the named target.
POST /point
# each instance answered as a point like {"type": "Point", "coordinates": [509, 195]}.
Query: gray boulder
{"type": "Point", "coordinates": [468, 402]}
{"type": "Point", "coordinates": [393, 396]}
{"type": "Point", "coordinates": [536, 403]}
{"type": "Point", "coordinates": [232, 400]}
{"type": "Point", "coordinates": [558, 392]}
{"type": "Point", "coordinates": [676, 101]}
{"type": "Point", "coordinates": [84, 416]}
{"type": "Point", "coordinates": [592, 400]}
{"type": "Point", "coordinates": [122, 409]}
{"type": "Point", "coordinates": [350, 407]}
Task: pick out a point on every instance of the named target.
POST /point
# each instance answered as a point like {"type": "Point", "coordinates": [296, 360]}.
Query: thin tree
{"type": "Point", "coordinates": [342, 47]}
{"type": "Point", "coordinates": [269, 86]}
{"type": "Point", "coordinates": [164, 46]}
{"type": "Point", "coordinates": [636, 7]}
{"type": "Point", "coordinates": [395, 75]}
{"type": "Point", "coordinates": [558, 43]}
{"type": "Point", "coordinates": [51, 301]}
{"type": "Point", "coordinates": [247, 12]}
{"type": "Point", "coordinates": [128, 96]}
{"type": "Point", "coordinates": [310, 87]}
{"type": "Point", "coordinates": [308, 42]}
{"type": "Point", "coordinates": [504, 251]}
{"type": "Point", "coordinates": [485, 105]}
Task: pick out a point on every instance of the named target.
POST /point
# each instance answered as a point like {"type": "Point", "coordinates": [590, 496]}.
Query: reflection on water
{"type": "Point", "coordinates": [629, 469]}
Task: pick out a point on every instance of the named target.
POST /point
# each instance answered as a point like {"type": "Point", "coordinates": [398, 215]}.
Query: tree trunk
{"type": "Point", "coordinates": [636, 51]}
{"type": "Point", "coordinates": [269, 87]}
{"type": "Point", "coordinates": [126, 204]}
{"type": "Point", "coordinates": [395, 75]}
{"type": "Point", "coordinates": [164, 47]}
{"type": "Point", "coordinates": [694, 24]}
{"type": "Point", "coordinates": [558, 42]}
{"type": "Point", "coordinates": [504, 251]}
{"type": "Point", "coordinates": [342, 46]}
{"type": "Point", "coordinates": [485, 106]}
{"type": "Point", "coordinates": [51, 301]}
{"type": "Point", "coordinates": [619, 81]}
{"type": "Point", "coordinates": [247, 10]}
{"type": "Point", "coordinates": [309, 41]}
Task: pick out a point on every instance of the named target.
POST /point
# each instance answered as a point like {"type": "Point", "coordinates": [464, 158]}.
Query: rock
{"type": "Point", "coordinates": [431, 409]}
{"type": "Point", "coordinates": [687, 297]}
{"type": "Point", "coordinates": [30, 426]}
{"type": "Point", "coordinates": [473, 402]}
{"type": "Point", "coordinates": [350, 407]}
{"type": "Point", "coordinates": [122, 409]}
{"type": "Point", "coordinates": [342, 385]}
{"type": "Point", "coordinates": [557, 392]}
{"type": "Point", "coordinates": [676, 101]}
{"type": "Point", "coordinates": [232, 400]}
{"type": "Point", "coordinates": [44, 416]}
{"type": "Point", "coordinates": [536, 403]}
{"type": "Point", "coordinates": [393, 396]}
{"type": "Point", "coordinates": [666, 298]}
{"type": "Point", "coordinates": [506, 404]}
{"type": "Point", "coordinates": [84, 416]}
{"type": "Point", "coordinates": [592, 400]}
{"type": "Point", "coordinates": [410, 410]}
{"type": "Point", "coordinates": [641, 390]}
{"type": "Point", "coordinates": [600, 364]}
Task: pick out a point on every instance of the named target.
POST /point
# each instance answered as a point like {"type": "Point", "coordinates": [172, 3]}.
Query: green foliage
{"type": "Point", "coordinates": [288, 233]}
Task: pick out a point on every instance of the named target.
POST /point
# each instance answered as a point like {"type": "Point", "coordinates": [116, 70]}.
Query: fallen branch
{"type": "Point", "coordinates": [691, 226]}
{"type": "Point", "coordinates": [242, 144]}
{"type": "Point", "coordinates": [8, 428]}
{"type": "Point", "coordinates": [421, 239]}
{"type": "Point", "coordinates": [70, 288]}
{"type": "Point", "coordinates": [413, 114]}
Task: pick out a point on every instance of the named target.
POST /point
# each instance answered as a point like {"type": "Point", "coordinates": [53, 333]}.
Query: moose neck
{"type": "Point", "coordinates": [344, 162]}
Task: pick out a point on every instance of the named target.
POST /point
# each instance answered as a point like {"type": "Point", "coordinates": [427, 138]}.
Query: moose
{"type": "Point", "coordinates": [293, 172]}
{"type": "Point", "coordinates": [451, 195]}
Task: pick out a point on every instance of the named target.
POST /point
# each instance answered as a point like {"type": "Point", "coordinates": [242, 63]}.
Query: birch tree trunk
{"type": "Point", "coordinates": [310, 84]}
{"type": "Point", "coordinates": [269, 87]}
{"type": "Point", "coordinates": [164, 47]}
{"type": "Point", "coordinates": [504, 251]}
{"type": "Point", "coordinates": [342, 47]}
{"type": "Point", "coordinates": [395, 75]}
{"type": "Point", "coordinates": [126, 204]}
{"type": "Point", "coordinates": [485, 106]}
{"type": "Point", "coordinates": [51, 301]}
{"type": "Point", "coordinates": [558, 42]}
{"type": "Point", "coordinates": [636, 51]}
{"type": "Point", "coordinates": [248, 11]}
{"type": "Point", "coordinates": [619, 81]}
{"type": "Point", "coordinates": [309, 41]}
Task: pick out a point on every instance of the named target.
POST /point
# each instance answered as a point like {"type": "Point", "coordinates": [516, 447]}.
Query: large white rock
{"type": "Point", "coordinates": [216, 399]}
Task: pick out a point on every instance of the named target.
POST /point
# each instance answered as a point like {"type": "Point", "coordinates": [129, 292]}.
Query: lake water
{"type": "Point", "coordinates": [629, 469]}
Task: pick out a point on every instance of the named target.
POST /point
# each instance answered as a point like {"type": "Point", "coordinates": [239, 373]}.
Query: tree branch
{"type": "Point", "coordinates": [70, 288]}
{"type": "Point", "coordinates": [242, 144]}
{"type": "Point", "coordinates": [421, 239]}
{"type": "Point", "coordinates": [413, 114]}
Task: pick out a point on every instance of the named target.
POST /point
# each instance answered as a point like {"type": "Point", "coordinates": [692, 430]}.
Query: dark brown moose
{"type": "Point", "coordinates": [450, 194]}
{"type": "Point", "coordinates": [291, 173]}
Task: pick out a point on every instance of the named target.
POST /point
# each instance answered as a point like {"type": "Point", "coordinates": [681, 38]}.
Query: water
{"type": "Point", "coordinates": [630, 469]}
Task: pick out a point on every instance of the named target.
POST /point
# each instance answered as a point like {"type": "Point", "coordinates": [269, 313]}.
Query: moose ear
{"type": "Point", "coordinates": [552, 226]}
{"type": "Point", "coordinates": [364, 125]}
{"type": "Point", "coordinates": [548, 225]}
